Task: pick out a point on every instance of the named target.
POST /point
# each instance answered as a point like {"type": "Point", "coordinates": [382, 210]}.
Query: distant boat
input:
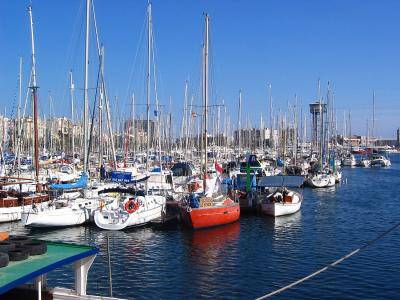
{"type": "Point", "coordinates": [380, 161]}
{"type": "Point", "coordinates": [364, 162]}
{"type": "Point", "coordinates": [358, 150]}
{"type": "Point", "coordinates": [349, 160]}
{"type": "Point", "coordinates": [320, 180]}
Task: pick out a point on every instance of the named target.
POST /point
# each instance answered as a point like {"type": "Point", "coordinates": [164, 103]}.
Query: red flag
{"type": "Point", "coordinates": [218, 168]}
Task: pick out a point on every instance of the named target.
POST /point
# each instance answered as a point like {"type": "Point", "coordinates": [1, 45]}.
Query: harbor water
{"type": "Point", "coordinates": [258, 254]}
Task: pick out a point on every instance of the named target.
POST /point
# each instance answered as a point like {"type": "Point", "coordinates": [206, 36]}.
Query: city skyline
{"type": "Point", "coordinates": [288, 44]}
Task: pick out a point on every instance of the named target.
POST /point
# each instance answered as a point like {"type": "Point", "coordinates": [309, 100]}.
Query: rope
{"type": "Point", "coordinates": [335, 263]}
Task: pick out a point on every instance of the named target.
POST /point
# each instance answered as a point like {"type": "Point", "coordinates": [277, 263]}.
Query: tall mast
{"type": "Point", "coordinates": [71, 91]}
{"type": "Point", "coordinates": [148, 81]}
{"type": "Point", "coordinates": [261, 133]}
{"type": "Point", "coordinates": [239, 122]}
{"type": "Point", "coordinates": [85, 99]}
{"type": "Point", "coordinates": [34, 88]}
{"type": "Point", "coordinates": [271, 136]}
{"type": "Point", "coordinates": [101, 101]}
{"type": "Point", "coordinates": [186, 118]}
{"type": "Point", "coordinates": [373, 114]}
{"type": "Point", "coordinates": [205, 88]}
{"type": "Point", "coordinates": [19, 115]}
{"type": "Point", "coordinates": [133, 126]}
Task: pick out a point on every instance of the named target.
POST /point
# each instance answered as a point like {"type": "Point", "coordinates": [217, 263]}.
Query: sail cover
{"type": "Point", "coordinates": [80, 184]}
{"type": "Point", "coordinates": [279, 181]}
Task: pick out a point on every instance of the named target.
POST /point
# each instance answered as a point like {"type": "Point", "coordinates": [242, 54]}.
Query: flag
{"type": "Point", "coordinates": [248, 179]}
{"type": "Point", "coordinates": [218, 168]}
{"type": "Point", "coordinates": [194, 115]}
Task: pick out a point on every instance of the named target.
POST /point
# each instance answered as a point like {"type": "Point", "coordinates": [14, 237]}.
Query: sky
{"type": "Point", "coordinates": [355, 45]}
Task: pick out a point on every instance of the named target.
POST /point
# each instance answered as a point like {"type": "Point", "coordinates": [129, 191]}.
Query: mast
{"type": "Point", "coordinates": [34, 88]}
{"type": "Point", "coordinates": [205, 93]}
{"type": "Point", "coordinates": [271, 136]}
{"type": "Point", "coordinates": [101, 99]}
{"type": "Point", "coordinates": [71, 91]}
{"type": "Point", "coordinates": [185, 120]}
{"type": "Point", "coordinates": [85, 99]}
{"type": "Point", "coordinates": [148, 82]}
{"type": "Point", "coordinates": [373, 114]}
{"type": "Point", "coordinates": [239, 122]}
{"type": "Point", "coordinates": [19, 115]}
{"type": "Point", "coordinates": [133, 126]}
{"type": "Point", "coordinates": [261, 133]}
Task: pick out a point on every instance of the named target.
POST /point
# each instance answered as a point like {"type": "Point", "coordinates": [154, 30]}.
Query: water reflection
{"type": "Point", "coordinates": [215, 238]}
{"type": "Point", "coordinates": [285, 223]}
{"type": "Point", "coordinates": [212, 253]}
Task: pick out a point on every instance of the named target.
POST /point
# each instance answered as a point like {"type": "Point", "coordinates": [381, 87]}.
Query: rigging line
{"type": "Point", "coordinates": [70, 54]}
{"type": "Point", "coordinates": [135, 60]}
{"type": "Point", "coordinates": [331, 265]}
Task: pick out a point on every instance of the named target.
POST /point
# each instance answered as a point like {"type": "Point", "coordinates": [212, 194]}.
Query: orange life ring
{"type": "Point", "coordinates": [131, 206]}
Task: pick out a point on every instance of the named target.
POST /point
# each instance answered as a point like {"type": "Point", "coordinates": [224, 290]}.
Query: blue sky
{"type": "Point", "coordinates": [353, 44]}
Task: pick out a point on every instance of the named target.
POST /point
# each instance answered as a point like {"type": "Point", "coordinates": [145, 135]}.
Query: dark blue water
{"type": "Point", "coordinates": [259, 254]}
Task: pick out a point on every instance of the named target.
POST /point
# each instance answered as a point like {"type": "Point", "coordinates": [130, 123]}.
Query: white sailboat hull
{"type": "Point", "coordinates": [80, 212]}
{"type": "Point", "coordinates": [280, 209]}
{"type": "Point", "coordinates": [318, 181]}
{"type": "Point", "coordinates": [120, 219]}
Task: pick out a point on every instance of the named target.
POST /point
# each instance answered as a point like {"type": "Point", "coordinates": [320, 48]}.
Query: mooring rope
{"type": "Point", "coordinates": [335, 263]}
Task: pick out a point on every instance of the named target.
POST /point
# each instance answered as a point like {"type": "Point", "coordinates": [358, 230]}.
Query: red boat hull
{"type": "Point", "coordinates": [205, 217]}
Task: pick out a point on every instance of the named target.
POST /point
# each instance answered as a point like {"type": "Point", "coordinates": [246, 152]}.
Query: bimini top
{"type": "Point", "coordinates": [80, 184]}
{"type": "Point", "coordinates": [281, 181]}
{"type": "Point", "coordinates": [57, 255]}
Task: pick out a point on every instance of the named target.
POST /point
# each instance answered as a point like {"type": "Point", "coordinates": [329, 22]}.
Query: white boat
{"type": "Point", "coordinates": [380, 161]}
{"type": "Point", "coordinates": [282, 203]}
{"type": "Point", "coordinates": [129, 211]}
{"type": "Point", "coordinates": [73, 204]}
{"type": "Point", "coordinates": [60, 213]}
{"type": "Point", "coordinates": [318, 180]}
{"type": "Point", "coordinates": [350, 160]}
{"type": "Point", "coordinates": [364, 162]}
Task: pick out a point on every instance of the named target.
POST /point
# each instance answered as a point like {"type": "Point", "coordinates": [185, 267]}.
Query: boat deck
{"type": "Point", "coordinates": [58, 254]}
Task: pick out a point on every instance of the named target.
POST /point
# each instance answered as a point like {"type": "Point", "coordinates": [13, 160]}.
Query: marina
{"type": "Point", "coordinates": [195, 196]}
{"type": "Point", "coordinates": [258, 254]}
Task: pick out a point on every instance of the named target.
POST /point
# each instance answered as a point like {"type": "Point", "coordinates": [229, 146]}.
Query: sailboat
{"type": "Point", "coordinates": [209, 208]}
{"type": "Point", "coordinates": [134, 207]}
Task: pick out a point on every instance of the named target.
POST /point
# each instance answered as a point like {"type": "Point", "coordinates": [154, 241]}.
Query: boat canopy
{"type": "Point", "coordinates": [80, 184]}
{"type": "Point", "coordinates": [280, 181]}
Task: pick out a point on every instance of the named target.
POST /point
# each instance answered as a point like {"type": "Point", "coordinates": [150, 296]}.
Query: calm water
{"type": "Point", "coordinates": [259, 254]}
